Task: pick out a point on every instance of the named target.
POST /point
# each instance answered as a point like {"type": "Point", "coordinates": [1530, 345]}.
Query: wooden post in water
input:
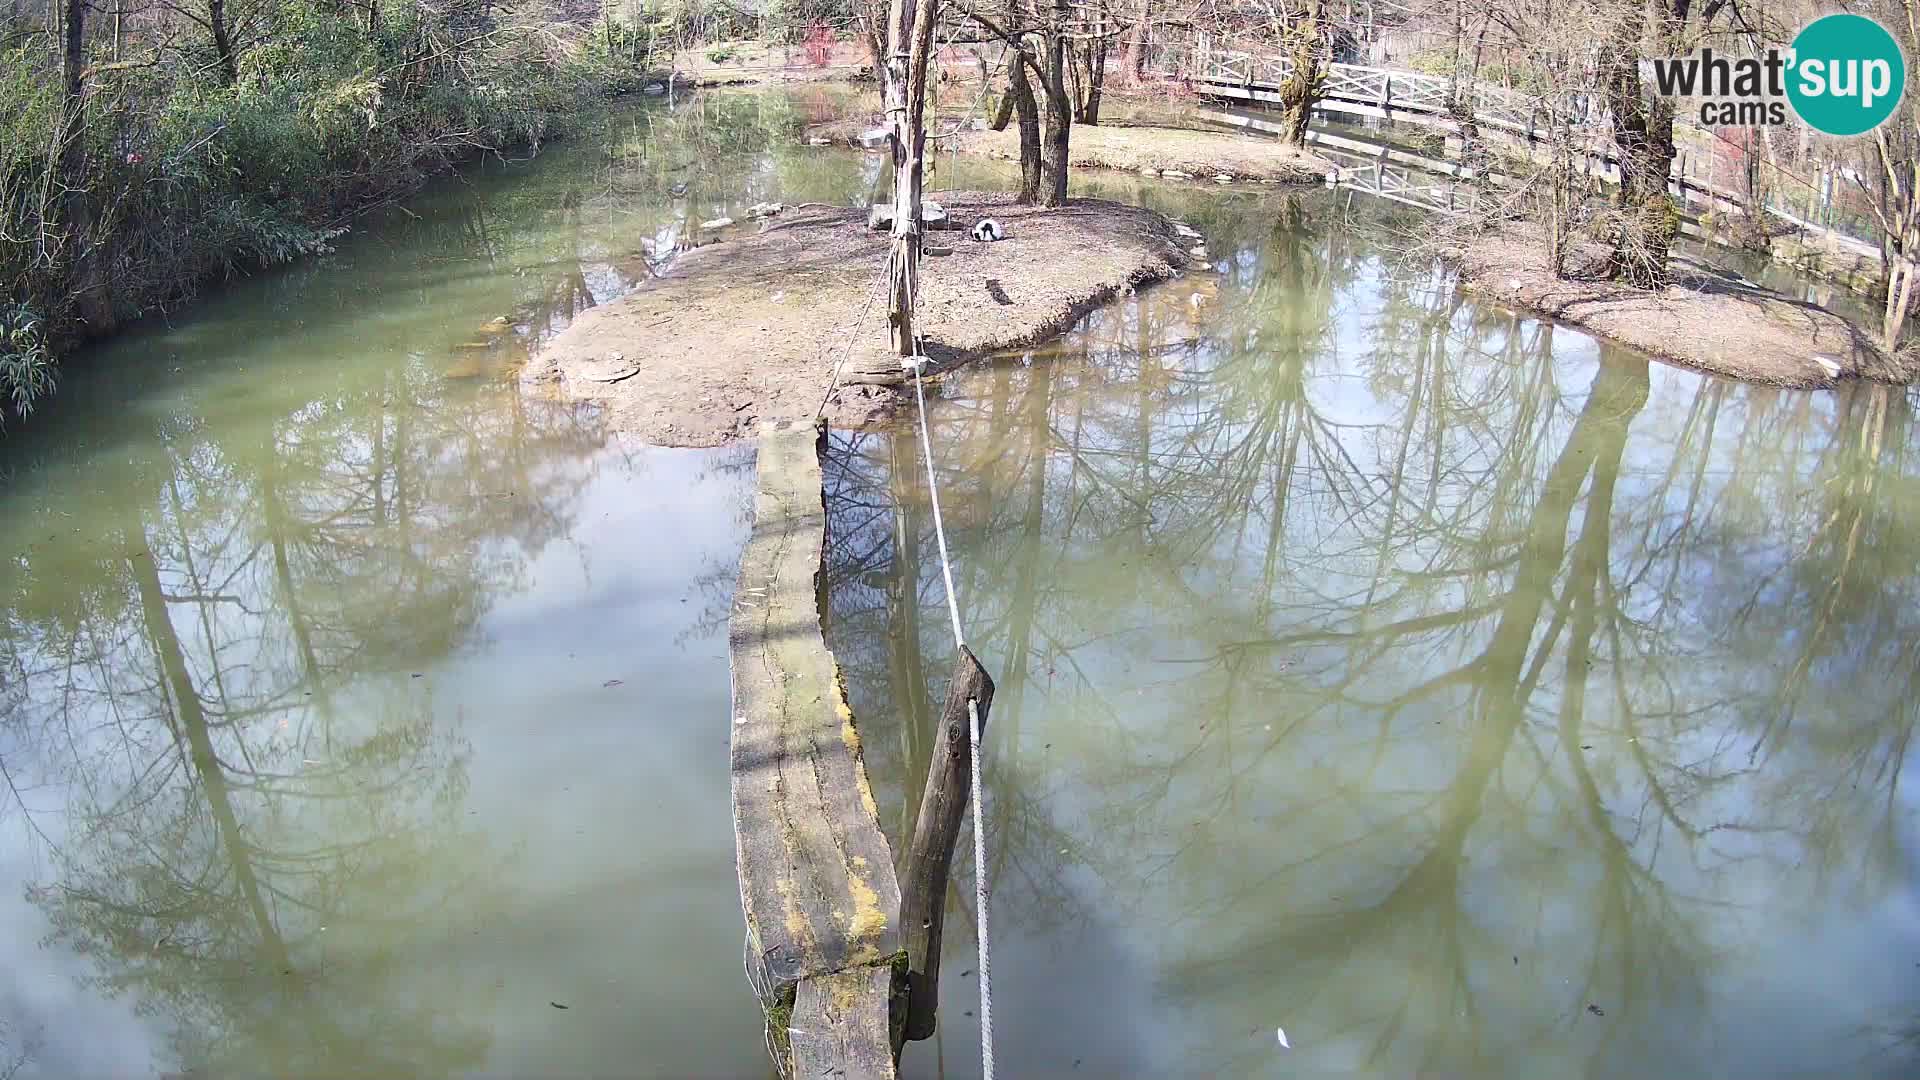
{"type": "Point", "coordinates": [943, 804]}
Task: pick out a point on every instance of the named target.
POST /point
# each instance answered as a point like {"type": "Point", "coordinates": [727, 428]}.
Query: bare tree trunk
{"type": "Point", "coordinates": [1020, 90]}
{"type": "Point", "coordinates": [1901, 252]}
{"type": "Point", "coordinates": [1099, 83]}
{"type": "Point", "coordinates": [1753, 222]}
{"type": "Point", "coordinates": [1899, 301]}
{"type": "Point", "coordinates": [1464, 95]}
{"type": "Point", "coordinates": [1897, 203]}
{"type": "Point", "coordinates": [87, 278]}
{"type": "Point", "coordinates": [1459, 54]}
{"type": "Point", "coordinates": [1555, 217]}
{"type": "Point", "coordinates": [223, 41]}
{"type": "Point", "coordinates": [1077, 68]}
{"type": "Point", "coordinates": [1137, 42]}
{"type": "Point", "coordinates": [1643, 139]}
{"type": "Point", "coordinates": [866, 13]}
{"type": "Point", "coordinates": [1302, 89]}
{"type": "Point", "coordinates": [1088, 108]}
{"type": "Point", "coordinates": [1003, 114]}
{"type": "Point", "coordinates": [1059, 110]}
{"type": "Point", "coordinates": [911, 34]}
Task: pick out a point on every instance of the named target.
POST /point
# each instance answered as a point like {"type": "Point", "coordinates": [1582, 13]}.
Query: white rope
{"type": "Point", "coordinates": [853, 334]}
{"type": "Point", "coordinates": [980, 898]}
{"type": "Point", "coordinates": [918, 365]}
{"type": "Point", "coordinates": [939, 527]}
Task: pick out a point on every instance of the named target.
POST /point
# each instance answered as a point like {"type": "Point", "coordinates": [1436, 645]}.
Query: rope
{"type": "Point", "coordinates": [980, 897]}
{"type": "Point", "coordinates": [939, 526]}
{"type": "Point", "coordinates": [763, 992]}
{"type": "Point", "coordinates": [918, 364]}
{"type": "Point", "coordinates": [980, 893]}
{"type": "Point", "coordinates": [853, 334]}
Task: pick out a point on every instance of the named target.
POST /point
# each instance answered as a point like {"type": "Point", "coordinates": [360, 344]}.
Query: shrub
{"type": "Point", "coordinates": [186, 179]}
{"type": "Point", "coordinates": [26, 372]}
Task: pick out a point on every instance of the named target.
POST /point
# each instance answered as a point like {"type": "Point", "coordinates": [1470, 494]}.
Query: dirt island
{"type": "Point", "coordinates": [751, 330]}
{"type": "Point", "coordinates": [1704, 319]}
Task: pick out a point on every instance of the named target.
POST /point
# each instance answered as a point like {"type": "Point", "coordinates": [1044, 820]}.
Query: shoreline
{"type": "Point", "coordinates": [1171, 153]}
{"type": "Point", "coordinates": [1702, 321]}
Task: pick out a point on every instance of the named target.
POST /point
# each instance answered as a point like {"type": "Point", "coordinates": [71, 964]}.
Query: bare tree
{"type": "Point", "coordinates": [1039, 40]}
{"type": "Point", "coordinates": [910, 38]}
{"type": "Point", "coordinates": [1891, 177]}
{"type": "Point", "coordinates": [1303, 30]}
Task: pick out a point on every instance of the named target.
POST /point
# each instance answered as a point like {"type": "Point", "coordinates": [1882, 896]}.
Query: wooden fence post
{"type": "Point", "coordinates": [943, 803]}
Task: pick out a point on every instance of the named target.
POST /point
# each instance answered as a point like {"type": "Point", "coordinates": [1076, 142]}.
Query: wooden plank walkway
{"type": "Point", "coordinates": [817, 881]}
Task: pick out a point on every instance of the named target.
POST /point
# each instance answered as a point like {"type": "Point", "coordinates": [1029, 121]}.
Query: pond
{"type": "Point", "coordinates": [1436, 685]}
{"type": "Point", "coordinates": [359, 711]}
{"type": "Point", "coordinates": [1430, 682]}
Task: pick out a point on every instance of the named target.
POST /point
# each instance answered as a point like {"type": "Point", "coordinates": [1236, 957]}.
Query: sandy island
{"type": "Point", "coordinates": [1703, 320]}
{"type": "Point", "coordinates": [747, 331]}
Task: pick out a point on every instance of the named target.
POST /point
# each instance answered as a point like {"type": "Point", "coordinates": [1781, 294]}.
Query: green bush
{"type": "Point", "coordinates": [187, 180]}
{"type": "Point", "coordinates": [26, 372]}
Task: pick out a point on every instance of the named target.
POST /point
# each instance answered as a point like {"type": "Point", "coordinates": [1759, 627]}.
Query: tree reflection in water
{"type": "Point", "coordinates": [250, 815]}
{"type": "Point", "coordinates": [1410, 675]}
{"type": "Point", "coordinates": [220, 681]}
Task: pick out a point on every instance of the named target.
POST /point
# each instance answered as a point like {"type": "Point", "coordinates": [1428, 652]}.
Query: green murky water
{"type": "Point", "coordinates": [1372, 664]}
{"type": "Point", "coordinates": [359, 710]}
{"type": "Point", "coordinates": [1458, 695]}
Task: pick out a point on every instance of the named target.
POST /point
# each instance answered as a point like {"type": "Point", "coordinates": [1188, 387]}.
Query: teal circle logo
{"type": "Point", "coordinates": [1846, 74]}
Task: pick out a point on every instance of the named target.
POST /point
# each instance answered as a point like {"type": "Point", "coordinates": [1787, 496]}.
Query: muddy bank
{"type": "Point", "coordinates": [747, 331]}
{"type": "Point", "coordinates": [761, 63]}
{"type": "Point", "coordinates": [1176, 153]}
{"type": "Point", "coordinates": [1703, 320]}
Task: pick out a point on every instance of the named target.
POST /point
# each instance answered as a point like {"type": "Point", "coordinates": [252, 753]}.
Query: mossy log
{"type": "Point", "coordinates": [817, 885]}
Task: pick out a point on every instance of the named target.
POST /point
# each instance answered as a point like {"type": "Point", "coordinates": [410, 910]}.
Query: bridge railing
{"type": "Point", "coordinates": [1386, 89]}
{"type": "Point", "coordinates": [1387, 92]}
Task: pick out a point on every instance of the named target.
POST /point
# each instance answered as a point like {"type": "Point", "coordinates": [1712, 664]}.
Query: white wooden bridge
{"type": "Point", "coordinates": [1378, 93]}
{"type": "Point", "coordinates": [1411, 97]}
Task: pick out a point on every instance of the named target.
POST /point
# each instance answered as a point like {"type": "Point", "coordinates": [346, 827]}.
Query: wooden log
{"type": "Point", "coordinates": [943, 804]}
{"type": "Point", "coordinates": [816, 873]}
{"type": "Point", "coordinates": [842, 1026]}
